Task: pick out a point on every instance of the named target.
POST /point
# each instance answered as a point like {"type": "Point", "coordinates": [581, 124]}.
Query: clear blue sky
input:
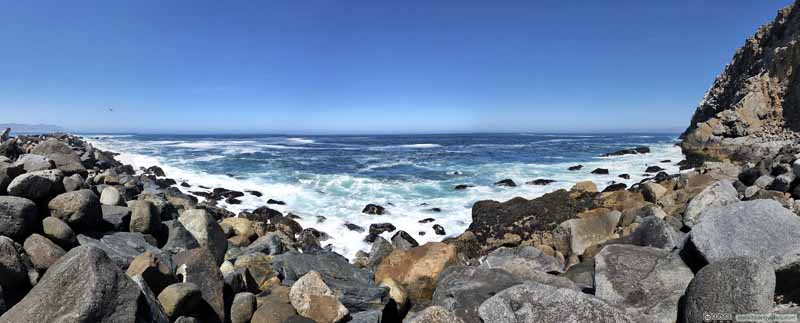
{"type": "Point", "coordinates": [342, 66]}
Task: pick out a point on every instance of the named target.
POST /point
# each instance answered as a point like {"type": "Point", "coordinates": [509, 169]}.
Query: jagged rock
{"type": "Point", "coordinates": [80, 209]}
{"type": "Point", "coordinates": [760, 228]}
{"type": "Point", "coordinates": [521, 261]}
{"type": "Point", "coordinates": [62, 155]}
{"type": "Point", "coordinates": [155, 313]}
{"type": "Point", "coordinates": [417, 270]}
{"type": "Point", "coordinates": [17, 217]}
{"type": "Point", "coordinates": [646, 281]}
{"type": "Point", "coordinates": [154, 270]}
{"type": "Point", "coordinates": [534, 302]}
{"type": "Point", "coordinates": [83, 286]}
{"type": "Point", "coordinates": [313, 299]}
{"type": "Point", "coordinates": [463, 289]}
{"type": "Point", "coordinates": [357, 287]}
{"type": "Point", "coordinates": [403, 240]}
{"type": "Point", "coordinates": [718, 194]}
{"type": "Point", "coordinates": [37, 185]}
{"type": "Point", "coordinates": [198, 266]}
{"type": "Point", "coordinates": [495, 224]}
{"type": "Point", "coordinates": [738, 285]}
{"type": "Point", "coordinates": [144, 217]}
{"type": "Point", "coordinates": [206, 231]}
{"type": "Point", "coordinates": [13, 272]}
{"type": "Point", "coordinates": [121, 247]}
{"type": "Point", "coordinates": [243, 307]}
{"type": "Point", "coordinates": [33, 163]}
{"type": "Point", "coordinates": [374, 209]}
{"type": "Point", "coordinates": [435, 314]}
{"type": "Point", "coordinates": [179, 299]}
{"type": "Point", "coordinates": [43, 252]}
{"type": "Point", "coordinates": [590, 231]}
{"type": "Point", "coordinates": [652, 192]}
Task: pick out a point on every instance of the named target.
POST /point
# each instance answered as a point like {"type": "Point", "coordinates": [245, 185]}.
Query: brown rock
{"type": "Point", "coordinates": [417, 270]}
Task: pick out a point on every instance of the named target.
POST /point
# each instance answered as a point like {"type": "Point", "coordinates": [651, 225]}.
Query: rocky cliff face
{"type": "Point", "coordinates": [753, 108]}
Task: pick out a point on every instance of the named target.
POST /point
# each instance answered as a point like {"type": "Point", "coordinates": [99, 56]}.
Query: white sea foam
{"type": "Point", "coordinates": [419, 146]}
{"type": "Point", "coordinates": [341, 197]}
{"type": "Point", "coordinates": [299, 141]}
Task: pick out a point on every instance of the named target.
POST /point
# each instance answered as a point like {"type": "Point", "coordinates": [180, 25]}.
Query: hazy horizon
{"type": "Point", "coordinates": [323, 67]}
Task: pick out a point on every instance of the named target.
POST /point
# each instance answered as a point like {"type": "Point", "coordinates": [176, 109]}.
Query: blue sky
{"type": "Point", "coordinates": [341, 66]}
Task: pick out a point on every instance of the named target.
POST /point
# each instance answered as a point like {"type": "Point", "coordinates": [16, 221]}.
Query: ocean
{"type": "Point", "coordinates": [336, 176]}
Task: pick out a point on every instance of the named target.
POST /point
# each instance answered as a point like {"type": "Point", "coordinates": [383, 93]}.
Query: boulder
{"type": "Point", "coordinates": [72, 183]}
{"type": "Point", "coordinates": [83, 286]}
{"type": "Point", "coordinates": [17, 217]}
{"type": "Point", "coordinates": [33, 163]}
{"type": "Point", "coordinates": [80, 209]}
{"type": "Point", "coordinates": [417, 270]}
{"type": "Point", "coordinates": [43, 252]}
{"type": "Point", "coordinates": [111, 196]}
{"type": "Point", "coordinates": [403, 240]}
{"type": "Point", "coordinates": [379, 250]}
{"type": "Point", "coordinates": [520, 261]}
{"type": "Point", "coordinates": [121, 247]}
{"type": "Point", "coordinates": [59, 232]}
{"type": "Point", "coordinates": [644, 280]}
{"type": "Point", "coordinates": [655, 232]}
{"type": "Point", "coordinates": [179, 299]}
{"type": "Point", "coordinates": [435, 314]}
{"type": "Point", "coordinates": [155, 270]}
{"type": "Point", "coordinates": [439, 230]}
{"type": "Point", "coordinates": [759, 228]}
{"type": "Point", "coordinates": [783, 182]}
{"type": "Point", "coordinates": [313, 299]}
{"type": "Point", "coordinates": [144, 217]}
{"type": "Point", "coordinates": [38, 185]}
{"type": "Point", "coordinates": [764, 181]}
{"type": "Point", "coordinates": [357, 289]}
{"type": "Point", "coordinates": [62, 155]}
{"type": "Point", "coordinates": [631, 151]}
{"type": "Point", "coordinates": [737, 285]}
{"type": "Point", "coordinates": [198, 266]}
{"type": "Point", "coordinates": [575, 168]}
{"type": "Point", "coordinates": [600, 171]}
{"type": "Point", "coordinates": [718, 194]}
{"type": "Point", "coordinates": [463, 289]}
{"type": "Point", "coordinates": [155, 313]}
{"type": "Point", "coordinates": [243, 307]}
{"type": "Point", "coordinates": [206, 231]}
{"type": "Point", "coordinates": [179, 238]}
{"type": "Point", "coordinates": [273, 308]}
{"type": "Point", "coordinates": [534, 302]}
{"type": "Point", "coordinates": [585, 186]}
{"type": "Point", "coordinates": [117, 217]}
{"type": "Point", "coordinates": [506, 182]}
{"type": "Point", "coordinates": [590, 231]}
{"type": "Point", "coordinates": [258, 265]}
{"type": "Point", "coordinates": [373, 316]}
{"type": "Point", "coordinates": [13, 271]}
{"type": "Point", "coordinates": [495, 224]}
{"type": "Point", "coordinates": [615, 187]}
{"type": "Point", "coordinates": [653, 191]}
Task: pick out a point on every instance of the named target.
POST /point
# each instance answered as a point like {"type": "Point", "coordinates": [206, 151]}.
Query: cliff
{"type": "Point", "coordinates": [751, 111]}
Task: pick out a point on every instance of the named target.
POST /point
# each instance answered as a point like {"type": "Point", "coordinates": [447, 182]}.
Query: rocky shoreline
{"type": "Point", "coordinates": [85, 238]}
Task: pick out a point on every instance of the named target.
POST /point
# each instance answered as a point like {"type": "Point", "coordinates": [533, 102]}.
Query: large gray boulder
{"type": "Point", "coordinates": [83, 286]}
{"type": "Point", "coordinates": [118, 217]}
{"type": "Point", "coordinates": [198, 266]}
{"type": "Point", "coordinates": [357, 287]}
{"type": "Point", "coordinates": [64, 157]}
{"type": "Point", "coordinates": [739, 285]}
{"type": "Point", "coordinates": [17, 217]}
{"type": "Point", "coordinates": [179, 238]}
{"type": "Point", "coordinates": [37, 186]}
{"type": "Point", "coordinates": [435, 314]}
{"type": "Point", "coordinates": [33, 163]}
{"type": "Point", "coordinates": [655, 232]}
{"type": "Point", "coordinates": [13, 272]}
{"type": "Point", "coordinates": [111, 196]}
{"type": "Point", "coordinates": [42, 252]}
{"type": "Point", "coordinates": [121, 247]}
{"type": "Point", "coordinates": [380, 249]}
{"type": "Point", "coordinates": [522, 260]}
{"type": "Point", "coordinates": [206, 231]}
{"type": "Point", "coordinates": [534, 302]}
{"type": "Point", "coordinates": [80, 209]}
{"type": "Point", "coordinates": [462, 289]}
{"type": "Point", "coordinates": [717, 194]}
{"type": "Point", "coordinates": [759, 228]}
{"type": "Point", "coordinates": [586, 232]}
{"type": "Point", "coordinates": [647, 281]}
{"type": "Point", "coordinates": [144, 218]}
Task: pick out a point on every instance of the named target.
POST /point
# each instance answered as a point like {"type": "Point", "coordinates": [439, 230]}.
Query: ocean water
{"type": "Point", "coordinates": [336, 176]}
